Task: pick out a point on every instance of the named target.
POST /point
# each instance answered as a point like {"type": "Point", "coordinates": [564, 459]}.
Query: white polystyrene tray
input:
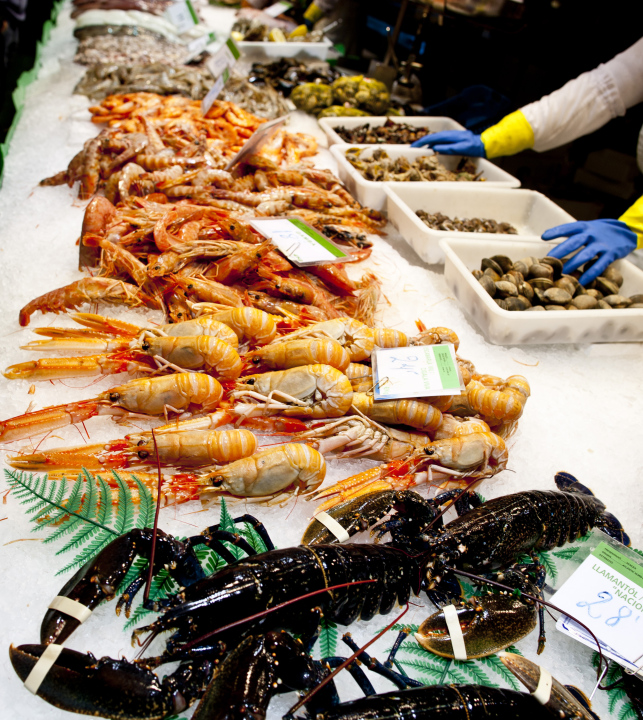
{"type": "Point", "coordinates": [373, 194]}
{"type": "Point", "coordinates": [528, 328]}
{"type": "Point", "coordinates": [276, 50]}
{"type": "Point", "coordinates": [434, 123]}
{"type": "Point", "coordinates": [531, 213]}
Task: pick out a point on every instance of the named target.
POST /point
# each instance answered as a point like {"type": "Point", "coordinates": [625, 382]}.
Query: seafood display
{"type": "Point", "coordinates": [129, 46]}
{"type": "Point", "coordinates": [225, 377]}
{"type": "Point", "coordinates": [379, 167]}
{"type": "Point", "coordinates": [262, 100]}
{"type": "Point", "coordinates": [107, 79]}
{"type": "Point", "coordinates": [352, 95]}
{"type": "Point", "coordinates": [438, 221]}
{"type": "Point", "coordinates": [539, 284]}
{"type": "Point", "coordinates": [391, 132]}
{"type": "Point", "coordinates": [286, 74]}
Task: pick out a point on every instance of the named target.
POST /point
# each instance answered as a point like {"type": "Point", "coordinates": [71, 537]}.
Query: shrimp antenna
{"type": "Point", "coordinates": [148, 584]}
{"type": "Point", "coordinates": [519, 593]}
{"type": "Point", "coordinates": [346, 662]}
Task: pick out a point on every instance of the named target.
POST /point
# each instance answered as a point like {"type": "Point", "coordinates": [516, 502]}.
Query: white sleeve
{"type": "Point", "coordinates": [588, 102]}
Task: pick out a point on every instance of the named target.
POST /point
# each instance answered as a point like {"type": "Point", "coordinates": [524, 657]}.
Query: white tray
{"type": "Point", "coordinates": [529, 212]}
{"type": "Point", "coordinates": [434, 123]}
{"type": "Point", "coordinates": [275, 50]}
{"type": "Point", "coordinates": [373, 194]}
{"type": "Point", "coordinates": [502, 327]}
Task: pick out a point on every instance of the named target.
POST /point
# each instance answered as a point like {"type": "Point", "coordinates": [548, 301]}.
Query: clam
{"type": "Point", "coordinates": [595, 293]}
{"type": "Point", "coordinates": [537, 270]}
{"type": "Point", "coordinates": [477, 274]}
{"type": "Point", "coordinates": [607, 287]}
{"type": "Point", "coordinates": [535, 307]}
{"type": "Point", "coordinates": [509, 278]}
{"type": "Point", "coordinates": [506, 289]}
{"type": "Point", "coordinates": [557, 296]}
{"type": "Point", "coordinates": [585, 302]}
{"type": "Point", "coordinates": [554, 307]}
{"type": "Point", "coordinates": [521, 267]}
{"type": "Point", "coordinates": [541, 283]}
{"type": "Point", "coordinates": [636, 299]}
{"type": "Point", "coordinates": [612, 274]}
{"type": "Point", "coordinates": [488, 284]}
{"type": "Point", "coordinates": [492, 265]}
{"type": "Point", "coordinates": [617, 301]}
{"type": "Point", "coordinates": [556, 265]}
{"type": "Point", "coordinates": [503, 262]}
{"type": "Point", "coordinates": [492, 274]}
{"type": "Point", "coordinates": [602, 305]}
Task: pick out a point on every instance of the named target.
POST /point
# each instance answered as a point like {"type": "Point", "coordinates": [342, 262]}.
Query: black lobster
{"type": "Point", "coordinates": [341, 582]}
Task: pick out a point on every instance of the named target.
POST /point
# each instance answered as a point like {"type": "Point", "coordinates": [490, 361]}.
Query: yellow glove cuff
{"type": "Point", "coordinates": [313, 14]}
{"type": "Point", "coordinates": [508, 137]}
{"type": "Point", "coordinates": [633, 218]}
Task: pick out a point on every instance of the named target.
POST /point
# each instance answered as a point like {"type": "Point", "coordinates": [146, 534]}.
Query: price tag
{"type": "Point", "coordinates": [420, 371]}
{"type": "Point", "coordinates": [213, 92]}
{"type": "Point", "coordinates": [258, 138]}
{"type": "Point", "coordinates": [606, 594]}
{"type": "Point", "coordinates": [197, 46]}
{"type": "Point", "coordinates": [225, 57]}
{"type": "Point", "coordinates": [278, 9]}
{"type": "Point", "coordinates": [182, 15]}
{"type": "Point", "coordinates": [298, 241]}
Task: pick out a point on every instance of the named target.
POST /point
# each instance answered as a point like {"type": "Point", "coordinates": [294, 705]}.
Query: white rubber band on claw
{"type": "Point", "coordinates": [455, 632]}
{"type": "Point", "coordinates": [338, 531]}
{"type": "Point", "coordinates": [70, 607]}
{"type": "Point", "coordinates": [42, 667]}
{"type": "Point", "coordinates": [543, 692]}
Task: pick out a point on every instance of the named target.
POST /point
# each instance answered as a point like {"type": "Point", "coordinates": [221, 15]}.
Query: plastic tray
{"type": "Point", "coordinates": [502, 327]}
{"type": "Point", "coordinates": [434, 123]}
{"type": "Point", "coordinates": [529, 212]}
{"type": "Point", "coordinates": [276, 50]}
{"type": "Point", "coordinates": [373, 194]}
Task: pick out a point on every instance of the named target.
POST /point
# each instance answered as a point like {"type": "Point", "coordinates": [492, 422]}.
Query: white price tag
{"type": "Point", "coordinates": [420, 371]}
{"type": "Point", "coordinates": [298, 241]}
{"type": "Point", "coordinates": [197, 46]}
{"type": "Point", "coordinates": [278, 9]}
{"type": "Point", "coordinates": [213, 92]}
{"type": "Point", "coordinates": [225, 57]}
{"type": "Point", "coordinates": [606, 594]}
{"type": "Point", "coordinates": [258, 138]}
{"type": "Point", "coordinates": [182, 15]}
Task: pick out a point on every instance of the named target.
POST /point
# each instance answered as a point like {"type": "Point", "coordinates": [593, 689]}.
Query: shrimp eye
{"type": "Point", "coordinates": [143, 454]}
{"type": "Point", "coordinates": [216, 481]}
{"type": "Point", "coordinates": [429, 451]}
{"type": "Point", "coordinates": [256, 360]}
{"type": "Point", "coordinates": [145, 346]}
{"type": "Point", "coordinates": [114, 396]}
{"type": "Point", "coordinates": [250, 381]}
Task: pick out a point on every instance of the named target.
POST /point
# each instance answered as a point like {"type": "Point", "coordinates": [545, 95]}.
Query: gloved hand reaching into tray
{"type": "Point", "coordinates": [608, 240]}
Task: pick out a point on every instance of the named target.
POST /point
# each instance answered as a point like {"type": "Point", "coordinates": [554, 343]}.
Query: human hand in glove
{"type": "Point", "coordinates": [607, 239]}
{"type": "Point", "coordinates": [453, 142]}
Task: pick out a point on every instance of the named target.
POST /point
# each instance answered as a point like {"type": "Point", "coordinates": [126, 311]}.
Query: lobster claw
{"type": "Point", "coordinates": [489, 624]}
{"type": "Point", "coordinates": [110, 688]}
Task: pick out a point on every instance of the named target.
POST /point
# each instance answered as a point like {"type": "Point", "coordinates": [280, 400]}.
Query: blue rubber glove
{"type": "Point", "coordinates": [453, 142]}
{"type": "Point", "coordinates": [607, 239]}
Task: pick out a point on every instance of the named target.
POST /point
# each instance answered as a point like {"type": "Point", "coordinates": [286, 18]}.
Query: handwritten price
{"type": "Point", "coordinates": [604, 598]}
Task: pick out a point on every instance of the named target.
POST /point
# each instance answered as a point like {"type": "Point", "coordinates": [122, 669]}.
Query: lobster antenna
{"type": "Point", "coordinates": [519, 593]}
{"type": "Point", "coordinates": [263, 613]}
{"type": "Point", "coordinates": [148, 584]}
{"type": "Point", "coordinates": [346, 662]}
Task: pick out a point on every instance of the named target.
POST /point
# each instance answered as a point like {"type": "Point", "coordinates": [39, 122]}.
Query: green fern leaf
{"type": "Point", "coordinates": [615, 696]}
{"type": "Point", "coordinates": [327, 638]}
{"type": "Point", "coordinates": [161, 586]}
{"type": "Point", "coordinates": [68, 510]}
{"type": "Point", "coordinates": [627, 712]}
{"type": "Point", "coordinates": [401, 626]}
{"type": "Point", "coordinates": [146, 505]}
{"type": "Point", "coordinates": [135, 569]}
{"type": "Point", "coordinates": [125, 512]}
{"type": "Point", "coordinates": [475, 671]}
{"type": "Point", "coordinates": [495, 663]}
{"type": "Point", "coordinates": [101, 540]}
{"type": "Point", "coordinates": [225, 519]}
{"type": "Point", "coordinates": [566, 553]}
{"type": "Point", "coordinates": [549, 564]}
{"type": "Point", "coordinates": [85, 531]}
{"type": "Point", "coordinates": [253, 538]}
{"type": "Point", "coordinates": [638, 552]}
{"type": "Point", "coordinates": [513, 649]}
{"type": "Point", "coordinates": [431, 670]}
